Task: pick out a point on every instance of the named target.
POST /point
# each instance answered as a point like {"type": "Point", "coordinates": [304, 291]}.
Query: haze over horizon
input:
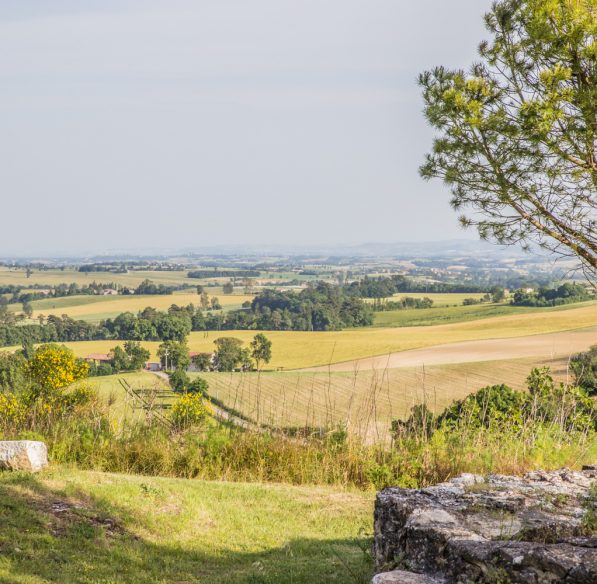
{"type": "Point", "coordinates": [178, 124]}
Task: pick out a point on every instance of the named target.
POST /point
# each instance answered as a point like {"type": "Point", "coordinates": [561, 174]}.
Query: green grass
{"type": "Point", "coordinates": [82, 527]}
{"type": "Point", "coordinates": [55, 305]}
{"type": "Point", "coordinates": [448, 314]}
{"type": "Point", "coordinates": [439, 298]}
{"type": "Point", "coordinates": [110, 392]}
{"type": "Point", "coordinates": [440, 315]}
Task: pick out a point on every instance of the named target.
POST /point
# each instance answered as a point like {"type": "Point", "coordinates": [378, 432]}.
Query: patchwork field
{"type": "Point", "coordinates": [54, 277]}
{"type": "Point", "coordinates": [297, 350]}
{"type": "Point", "coordinates": [96, 308]}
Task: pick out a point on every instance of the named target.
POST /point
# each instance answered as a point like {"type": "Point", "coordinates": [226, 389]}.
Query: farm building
{"type": "Point", "coordinates": [196, 357]}
{"type": "Point", "coordinates": [153, 366]}
{"type": "Point", "coordinates": [98, 358]}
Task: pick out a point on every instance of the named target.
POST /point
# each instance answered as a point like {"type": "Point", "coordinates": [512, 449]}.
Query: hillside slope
{"type": "Point", "coordinates": [87, 527]}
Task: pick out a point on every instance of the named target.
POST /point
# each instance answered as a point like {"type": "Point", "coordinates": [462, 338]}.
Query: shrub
{"type": "Point", "coordinates": [12, 411]}
{"type": "Point", "coordinates": [584, 368]}
{"type": "Point", "coordinates": [179, 380]}
{"type": "Point", "coordinates": [198, 385]}
{"type": "Point", "coordinates": [54, 366]}
{"type": "Point", "coordinates": [500, 406]}
{"type": "Point", "coordinates": [189, 410]}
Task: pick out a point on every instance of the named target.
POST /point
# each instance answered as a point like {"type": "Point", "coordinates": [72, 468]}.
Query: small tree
{"type": "Point", "coordinates": [497, 294]}
{"type": "Point", "coordinates": [228, 355]}
{"type": "Point", "coordinates": [228, 288]}
{"type": "Point", "coordinates": [174, 354]}
{"type": "Point", "coordinates": [202, 361]}
{"type": "Point", "coordinates": [137, 354]}
{"type": "Point", "coordinates": [27, 309]}
{"type": "Point", "coordinates": [204, 300]}
{"type": "Point", "coordinates": [261, 350]}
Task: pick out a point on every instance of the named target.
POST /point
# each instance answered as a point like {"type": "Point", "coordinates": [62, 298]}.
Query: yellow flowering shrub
{"type": "Point", "coordinates": [12, 411]}
{"type": "Point", "coordinates": [190, 410]}
{"type": "Point", "coordinates": [54, 367]}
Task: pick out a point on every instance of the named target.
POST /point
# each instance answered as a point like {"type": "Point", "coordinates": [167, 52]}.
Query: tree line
{"type": "Point", "coordinates": [386, 286]}
{"type": "Point", "coordinates": [215, 273]}
{"type": "Point", "coordinates": [567, 293]}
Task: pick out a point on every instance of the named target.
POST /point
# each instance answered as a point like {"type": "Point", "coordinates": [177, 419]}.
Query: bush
{"type": "Point", "coordinates": [100, 370]}
{"type": "Point", "coordinates": [584, 368]}
{"type": "Point", "coordinates": [189, 410]}
{"type": "Point", "coordinates": [32, 411]}
{"type": "Point", "coordinates": [500, 406]}
{"type": "Point", "coordinates": [179, 380]}
{"type": "Point", "coordinates": [198, 385]}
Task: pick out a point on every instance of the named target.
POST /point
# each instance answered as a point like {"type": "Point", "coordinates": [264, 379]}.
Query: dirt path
{"type": "Point", "coordinates": [547, 345]}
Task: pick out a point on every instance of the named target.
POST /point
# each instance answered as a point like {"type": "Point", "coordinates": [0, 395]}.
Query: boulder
{"type": "Point", "coordinates": [494, 529]}
{"type": "Point", "coordinates": [27, 455]}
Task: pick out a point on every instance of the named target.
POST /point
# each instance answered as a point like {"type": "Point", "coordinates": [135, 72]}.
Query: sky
{"type": "Point", "coordinates": [133, 124]}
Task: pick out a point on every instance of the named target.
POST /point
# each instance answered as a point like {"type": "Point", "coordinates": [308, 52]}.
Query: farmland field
{"type": "Point", "coordinates": [54, 277]}
{"type": "Point", "coordinates": [296, 350]}
{"type": "Point", "coordinates": [96, 308]}
{"type": "Point", "coordinates": [447, 314]}
{"type": "Point", "coordinates": [366, 401]}
{"type": "Point", "coordinates": [439, 298]}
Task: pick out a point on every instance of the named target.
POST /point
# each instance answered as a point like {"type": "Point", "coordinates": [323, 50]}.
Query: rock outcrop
{"type": "Point", "coordinates": [530, 529]}
{"type": "Point", "coordinates": [27, 455]}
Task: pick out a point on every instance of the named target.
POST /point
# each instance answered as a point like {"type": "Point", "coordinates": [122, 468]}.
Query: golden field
{"type": "Point", "coordinates": [364, 401]}
{"type": "Point", "coordinates": [295, 350]}
{"type": "Point", "coordinates": [96, 308]}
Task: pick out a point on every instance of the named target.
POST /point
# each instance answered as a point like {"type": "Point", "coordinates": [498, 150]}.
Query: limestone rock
{"type": "Point", "coordinates": [27, 455]}
{"type": "Point", "coordinates": [498, 529]}
{"type": "Point", "coordinates": [401, 577]}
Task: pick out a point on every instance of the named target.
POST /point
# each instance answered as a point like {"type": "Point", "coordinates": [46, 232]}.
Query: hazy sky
{"type": "Point", "coordinates": [181, 123]}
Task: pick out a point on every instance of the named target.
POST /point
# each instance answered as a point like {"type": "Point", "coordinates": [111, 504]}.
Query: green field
{"type": "Point", "coordinates": [451, 314]}
{"type": "Point", "coordinates": [53, 277]}
{"type": "Point", "coordinates": [439, 299]}
{"type": "Point", "coordinates": [73, 526]}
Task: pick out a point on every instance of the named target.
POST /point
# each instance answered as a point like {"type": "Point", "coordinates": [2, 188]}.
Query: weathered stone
{"type": "Point", "coordinates": [501, 529]}
{"type": "Point", "coordinates": [27, 455]}
{"type": "Point", "coordinates": [401, 577]}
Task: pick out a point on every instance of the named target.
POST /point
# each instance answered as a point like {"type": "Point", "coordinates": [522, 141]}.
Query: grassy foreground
{"type": "Point", "coordinates": [67, 525]}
